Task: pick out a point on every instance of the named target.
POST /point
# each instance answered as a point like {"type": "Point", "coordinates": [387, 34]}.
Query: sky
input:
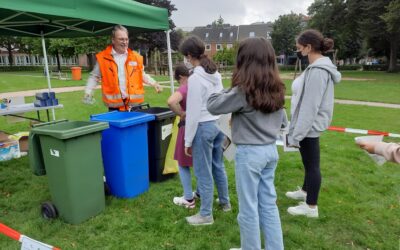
{"type": "Point", "coordinates": [192, 13]}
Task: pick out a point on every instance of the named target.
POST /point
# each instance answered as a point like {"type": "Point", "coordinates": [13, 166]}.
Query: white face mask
{"type": "Point", "coordinates": [187, 63]}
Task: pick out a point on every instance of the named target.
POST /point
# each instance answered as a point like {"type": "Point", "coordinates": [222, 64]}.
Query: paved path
{"type": "Point", "coordinates": [165, 84]}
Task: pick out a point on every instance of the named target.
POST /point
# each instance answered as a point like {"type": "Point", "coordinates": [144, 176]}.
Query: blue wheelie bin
{"type": "Point", "coordinates": [125, 152]}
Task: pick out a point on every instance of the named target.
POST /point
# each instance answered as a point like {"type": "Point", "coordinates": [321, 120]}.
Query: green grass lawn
{"type": "Point", "coordinates": [359, 201]}
{"type": "Point", "coordinates": [20, 81]}
{"type": "Point", "coordinates": [365, 86]}
{"type": "Point", "coordinates": [372, 86]}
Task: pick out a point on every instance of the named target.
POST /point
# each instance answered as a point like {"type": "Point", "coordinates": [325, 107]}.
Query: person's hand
{"type": "Point", "coordinates": [188, 151]}
{"type": "Point", "coordinates": [183, 116]}
{"type": "Point", "coordinates": [158, 87]}
{"type": "Point", "coordinates": [88, 98]}
{"type": "Point", "coordinates": [97, 78]}
{"type": "Point", "coordinates": [368, 146]}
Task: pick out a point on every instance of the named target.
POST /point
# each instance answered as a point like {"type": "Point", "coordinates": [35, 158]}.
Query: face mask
{"type": "Point", "coordinates": [187, 63]}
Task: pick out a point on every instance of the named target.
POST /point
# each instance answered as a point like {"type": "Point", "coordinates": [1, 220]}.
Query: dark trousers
{"type": "Point", "coordinates": [310, 155]}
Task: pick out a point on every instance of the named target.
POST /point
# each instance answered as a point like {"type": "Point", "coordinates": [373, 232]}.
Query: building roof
{"type": "Point", "coordinates": [229, 34]}
{"type": "Point", "coordinates": [259, 29]}
{"type": "Point", "coordinates": [216, 33]}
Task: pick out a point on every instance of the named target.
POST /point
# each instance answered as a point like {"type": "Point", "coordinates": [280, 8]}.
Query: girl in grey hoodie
{"type": "Point", "coordinates": [311, 114]}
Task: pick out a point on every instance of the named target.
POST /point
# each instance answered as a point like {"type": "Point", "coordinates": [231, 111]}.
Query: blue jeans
{"type": "Point", "coordinates": [209, 165]}
{"type": "Point", "coordinates": [255, 172]}
{"type": "Point", "coordinates": [186, 180]}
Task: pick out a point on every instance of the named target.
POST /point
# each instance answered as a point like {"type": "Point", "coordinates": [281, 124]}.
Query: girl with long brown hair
{"type": "Point", "coordinates": [256, 101]}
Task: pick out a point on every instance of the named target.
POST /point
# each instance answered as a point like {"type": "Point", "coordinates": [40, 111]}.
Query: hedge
{"type": "Point", "coordinates": [37, 68]}
{"type": "Point", "coordinates": [375, 67]}
{"type": "Point", "coordinates": [349, 67]}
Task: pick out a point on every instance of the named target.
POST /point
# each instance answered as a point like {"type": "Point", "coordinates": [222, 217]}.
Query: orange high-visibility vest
{"type": "Point", "coordinates": [112, 96]}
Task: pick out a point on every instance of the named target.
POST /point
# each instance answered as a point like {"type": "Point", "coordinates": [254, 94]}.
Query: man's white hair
{"type": "Point", "coordinates": [119, 27]}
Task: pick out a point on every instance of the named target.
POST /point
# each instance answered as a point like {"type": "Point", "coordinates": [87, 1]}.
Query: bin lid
{"type": "Point", "coordinates": [122, 119]}
{"type": "Point", "coordinates": [159, 112]}
{"type": "Point", "coordinates": [70, 129]}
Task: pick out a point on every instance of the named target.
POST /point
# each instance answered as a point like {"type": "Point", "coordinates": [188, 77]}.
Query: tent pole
{"type": "Point", "coordinates": [171, 78]}
{"type": "Point", "coordinates": [46, 65]}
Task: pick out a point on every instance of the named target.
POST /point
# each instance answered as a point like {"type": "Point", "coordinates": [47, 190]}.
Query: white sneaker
{"type": "Point", "coordinates": [181, 201]}
{"type": "Point", "coordinates": [198, 220]}
{"type": "Point", "coordinates": [303, 209]}
{"type": "Point", "coordinates": [299, 194]}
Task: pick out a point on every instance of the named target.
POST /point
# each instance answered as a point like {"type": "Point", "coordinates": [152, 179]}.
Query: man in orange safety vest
{"type": "Point", "coordinates": [121, 73]}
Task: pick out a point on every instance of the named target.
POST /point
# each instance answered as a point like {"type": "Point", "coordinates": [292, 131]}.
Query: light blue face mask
{"type": "Point", "coordinates": [187, 63]}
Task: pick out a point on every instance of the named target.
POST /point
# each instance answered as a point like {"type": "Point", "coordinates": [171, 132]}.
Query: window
{"type": "Point", "coordinates": [229, 46]}
{"type": "Point", "coordinates": [220, 34]}
{"type": "Point", "coordinates": [208, 47]}
{"type": "Point", "coordinates": [17, 60]}
{"type": "Point", "coordinates": [231, 34]}
{"type": "Point", "coordinates": [251, 34]}
{"type": "Point", "coordinates": [219, 47]}
{"type": "Point", "coordinates": [206, 34]}
{"type": "Point", "coordinates": [268, 35]}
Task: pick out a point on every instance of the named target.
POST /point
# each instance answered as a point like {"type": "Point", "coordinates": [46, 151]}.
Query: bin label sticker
{"type": "Point", "coordinates": [166, 130]}
{"type": "Point", "coordinates": [54, 152]}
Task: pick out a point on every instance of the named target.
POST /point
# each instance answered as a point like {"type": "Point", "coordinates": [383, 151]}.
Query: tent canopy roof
{"type": "Point", "coordinates": [78, 18]}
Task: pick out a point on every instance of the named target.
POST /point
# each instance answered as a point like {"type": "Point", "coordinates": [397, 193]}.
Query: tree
{"type": "Point", "coordinates": [56, 47]}
{"type": "Point", "coordinates": [378, 40]}
{"type": "Point", "coordinates": [337, 19]}
{"type": "Point", "coordinates": [155, 40]}
{"type": "Point", "coordinates": [11, 44]}
{"type": "Point", "coordinates": [226, 56]}
{"type": "Point", "coordinates": [61, 47]}
{"type": "Point", "coordinates": [392, 20]}
{"type": "Point", "coordinates": [89, 46]}
{"type": "Point", "coordinates": [218, 22]}
{"type": "Point", "coordinates": [285, 30]}
{"type": "Point", "coordinates": [349, 39]}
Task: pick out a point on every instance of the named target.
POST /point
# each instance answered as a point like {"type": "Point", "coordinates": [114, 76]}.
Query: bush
{"type": "Point", "coordinates": [288, 67]}
{"type": "Point", "coordinates": [37, 68]}
{"type": "Point", "coordinates": [375, 67]}
{"type": "Point", "coordinates": [349, 67]}
{"type": "Point", "coordinates": [20, 68]}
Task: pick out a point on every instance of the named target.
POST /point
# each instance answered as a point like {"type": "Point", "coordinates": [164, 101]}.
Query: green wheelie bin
{"type": "Point", "coordinates": [71, 155]}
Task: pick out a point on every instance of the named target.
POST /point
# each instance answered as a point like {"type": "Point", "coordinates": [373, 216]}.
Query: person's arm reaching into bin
{"type": "Point", "coordinates": [173, 103]}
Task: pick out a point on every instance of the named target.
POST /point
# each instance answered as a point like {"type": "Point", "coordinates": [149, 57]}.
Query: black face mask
{"type": "Point", "coordinates": [299, 55]}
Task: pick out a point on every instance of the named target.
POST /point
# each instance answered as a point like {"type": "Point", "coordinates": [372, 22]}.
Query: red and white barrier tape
{"type": "Point", "coordinates": [362, 131]}
{"type": "Point", "coordinates": [27, 243]}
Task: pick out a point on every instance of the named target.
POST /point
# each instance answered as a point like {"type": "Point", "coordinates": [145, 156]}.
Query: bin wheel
{"type": "Point", "coordinates": [107, 190]}
{"type": "Point", "coordinates": [49, 211]}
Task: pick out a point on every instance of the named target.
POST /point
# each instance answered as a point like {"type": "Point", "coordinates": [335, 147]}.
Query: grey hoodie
{"type": "Point", "coordinates": [249, 126]}
{"type": "Point", "coordinates": [314, 105]}
{"type": "Point", "coordinates": [200, 86]}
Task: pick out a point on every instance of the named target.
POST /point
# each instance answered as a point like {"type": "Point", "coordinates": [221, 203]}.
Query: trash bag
{"type": "Point", "coordinates": [171, 165]}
